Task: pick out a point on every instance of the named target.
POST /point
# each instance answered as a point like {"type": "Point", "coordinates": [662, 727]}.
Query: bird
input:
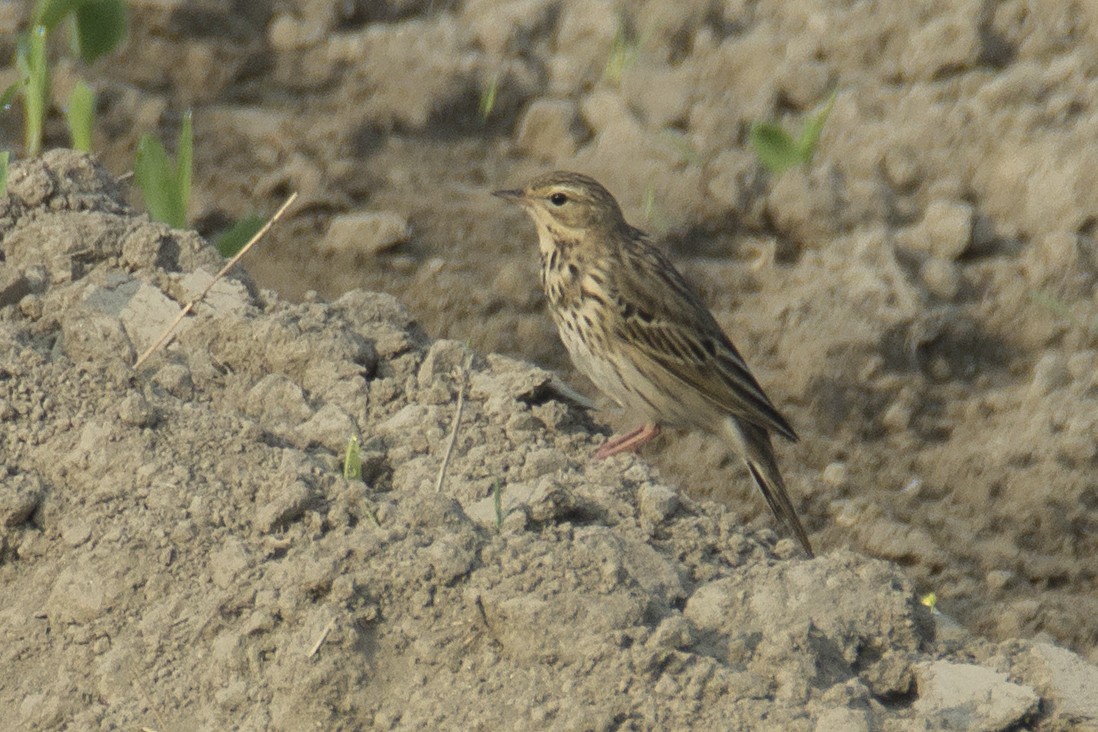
{"type": "Point", "coordinates": [636, 328]}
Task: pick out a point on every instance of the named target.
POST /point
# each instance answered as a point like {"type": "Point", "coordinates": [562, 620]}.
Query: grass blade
{"type": "Point", "coordinates": [80, 116]}
{"type": "Point", "coordinates": [9, 96]}
{"type": "Point", "coordinates": [813, 126]}
{"type": "Point", "coordinates": [3, 172]}
{"type": "Point", "coordinates": [352, 456]}
{"type": "Point", "coordinates": [155, 178]}
{"type": "Point", "coordinates": [31, 60]}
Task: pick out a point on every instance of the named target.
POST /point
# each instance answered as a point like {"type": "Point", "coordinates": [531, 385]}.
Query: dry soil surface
{"type": "Point", "coordinates": [920, 301]}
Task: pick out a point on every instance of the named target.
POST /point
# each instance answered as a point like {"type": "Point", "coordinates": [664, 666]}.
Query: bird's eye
{"type": "Point", "coordinates": [558, 199]}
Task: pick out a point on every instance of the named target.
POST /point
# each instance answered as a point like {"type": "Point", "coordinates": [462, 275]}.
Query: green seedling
{"type": "Point", "coordinates": [779, 151]}
{"type": "Point", "coordinates": [352, 460]}
{"type": "Point", "coordinates": [488, 97]}
{"type": "Point", "coordinates": [239, 234]}
{"type": "Point", "coordinates": [623, 52]}
{"type": "Point", "coordinates": [166, 185]}
{"type": "Point", "coordinates": [34, 82]}
{"type": "Point", "coordinates": [3, 172]}
{"type": "Point", "coordinates": [99, 26]}
{"type": "Point", "coordinates": [79, 116]}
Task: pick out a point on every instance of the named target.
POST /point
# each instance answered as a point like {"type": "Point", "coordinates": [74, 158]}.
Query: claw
{"type": "Point", "coordinates": [629, 441]}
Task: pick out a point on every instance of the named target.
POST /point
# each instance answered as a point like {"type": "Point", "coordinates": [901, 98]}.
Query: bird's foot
{"type": "Point", "coordinates": [629, 441]}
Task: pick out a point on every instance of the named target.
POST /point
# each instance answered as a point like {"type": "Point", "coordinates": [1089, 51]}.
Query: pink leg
{"type": "Point", "coordinates": [629, 441]}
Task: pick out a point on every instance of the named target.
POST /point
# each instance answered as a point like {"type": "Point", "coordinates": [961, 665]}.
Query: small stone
{"type": "Point", "coordinates": [284, 505]}
{"type": "Point", "coordinates": [966, 696]}
{"type": "Point", "coordinates": [81, 593]}
{"type": "Point", "coordinates": [444, 359]}
{"type": "Point", "coordinates": [367, 232]}
{"type": "Point", "coordinates": [277, 402]}
{"type": "Point", "coordinates": [897, 417]}
{"type": "Point", "coordinates": [18, 500]}
{"type": "Point", "coordinates": [287, 33]}
{"type": "Point", "coordinates": [843, 720]}
{"type": "Point", "coordinates": [673, 632]}
{"type": "Point", "coordinates": [175, 379]}
{"type": "Point", "coordinates": [835, 474]}
{"type": "Point", "coordinates": [330, 428]}
{"type": "Point", "coordinates": [135, 411]}
{"type": "Point", "coordinates": [75, 531]}
{"type": "Point", "coordinates": [1049, 374]}
{"type": "Point", "coordinates": [941, 277]}
{"type": "Point", "coordinates": [657, 502]}
{"type": "Point", "coordinates": [227, 563]}
{"type": "Point", "coordinates": [543, 461]}
{"type": "Point", "coordinates": [999, 579]}
{"type": "Point", "coordinates": [945, 231]}
{"type": "Point", "coordinates": [546, 130]}
{"type": "Point", "coordinates": [1071, 683]}
{"type": "Point", "coordinates": [901, 167]}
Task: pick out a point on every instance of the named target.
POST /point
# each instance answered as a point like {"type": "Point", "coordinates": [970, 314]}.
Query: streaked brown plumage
{"type": "Point", "coordinates": [633, 325]}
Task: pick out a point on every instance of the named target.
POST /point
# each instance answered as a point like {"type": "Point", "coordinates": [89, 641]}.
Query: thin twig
{"type": "Point", "coordinates": [320, 641]}
{"type": "Point", "coordinates": [454, 425]}
{"type": "Point", "coordinates": [228, 265]}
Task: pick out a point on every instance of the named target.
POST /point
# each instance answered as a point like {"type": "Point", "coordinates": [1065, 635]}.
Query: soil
{"type": "Point", "coordinates": [179, 548]}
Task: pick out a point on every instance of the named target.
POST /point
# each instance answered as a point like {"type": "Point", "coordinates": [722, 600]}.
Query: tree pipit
{"type": "Point", "coordinates": [633, 325]}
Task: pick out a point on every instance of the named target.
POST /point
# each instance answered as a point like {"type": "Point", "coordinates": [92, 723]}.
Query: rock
{"type": "Point", "coordinates": [284, 502]}
{"type": "Point", "coordinates": [1049, 374]}
{"type": "Point", "coordinates": [365, 233]}
{"type": "Point", "coordinates": [963, 696]}
{"type": "Point", "coordinates": [1068, 681]}
{"type": "Point", "coordinates": [941, 277]}
{"type": "Point", "coordinates": [546, 130]}
{"type": "Point", "coordinates": [945, 231]}
{"type": "Point", "coordinates": [19, 497]}
{"type": "Point", "coordinates": [278, 403]}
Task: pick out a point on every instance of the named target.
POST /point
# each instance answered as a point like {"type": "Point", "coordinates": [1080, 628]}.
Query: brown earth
{"type": "Point", "coordinates": [920, 301]}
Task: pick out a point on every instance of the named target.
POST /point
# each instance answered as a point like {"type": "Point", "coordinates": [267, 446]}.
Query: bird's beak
{"type": "Point", "coordinates": [513, 195]}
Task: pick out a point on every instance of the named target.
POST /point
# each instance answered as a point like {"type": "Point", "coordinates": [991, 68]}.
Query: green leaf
{"type": "Point", "coordinates": [34, 74]}
{"type": "Point", "coordinates": [48, 13]}
{"type": "Point", "coordinates": [100, 27]}
{"type": "Point", "coordinates": [774, 146]}
{"type": "Point", "coordinates": [3, 172]}
{"type": "Point", "coordinates": [813, 126]}
{"type": "Point", "coordinates": [166, 186]}
{"type": "Point", "coordinates": [238, 235]}
{"type": "Point", "coordinates": [352, 460]}
{"type": "Point", "coordinates": [488, 97]}
{"type": "Point", "coordinates": [9, 96]}
{"type": "Point", "coordinates": [153, 172]}
{"type": "Point", "coordinates": [623, 52]}
{"type": "Point", "coordinates": [80, 115]}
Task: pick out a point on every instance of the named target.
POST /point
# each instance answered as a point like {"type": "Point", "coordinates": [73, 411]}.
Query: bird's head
{"type": "Point", "coordinates": [567, 206]}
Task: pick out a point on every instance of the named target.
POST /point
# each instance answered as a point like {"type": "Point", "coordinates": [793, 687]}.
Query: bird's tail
{"type": "Point", "coordinates": [753, 443]}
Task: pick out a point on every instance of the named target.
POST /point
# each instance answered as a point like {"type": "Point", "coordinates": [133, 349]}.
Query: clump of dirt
{"type": "Point", "coordinates": [919, 301]}
{"type": "Point", "coordinates": [179, 548]}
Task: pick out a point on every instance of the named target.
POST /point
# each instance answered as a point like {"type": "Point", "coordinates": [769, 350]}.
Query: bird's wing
{"type": "Point", "coordinates": [666, 322]}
